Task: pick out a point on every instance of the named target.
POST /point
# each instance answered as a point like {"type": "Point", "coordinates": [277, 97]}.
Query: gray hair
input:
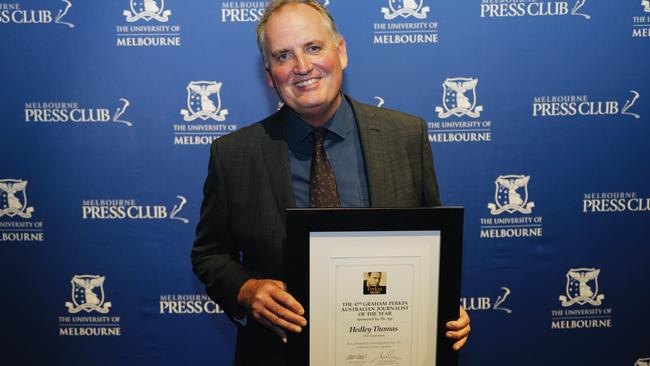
{"type": "Point", "coordinates": [275, 5]}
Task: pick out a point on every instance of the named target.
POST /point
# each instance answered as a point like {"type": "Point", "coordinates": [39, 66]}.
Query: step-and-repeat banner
{"type": "Point", "coordinates": [538, 115]}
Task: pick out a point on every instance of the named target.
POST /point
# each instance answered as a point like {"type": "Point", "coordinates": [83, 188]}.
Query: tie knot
{"type": "Point", "coordinates": [319, 136]}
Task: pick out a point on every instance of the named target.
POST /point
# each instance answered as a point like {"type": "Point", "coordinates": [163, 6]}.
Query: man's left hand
{"type": "Point", "coordinates": [459, 330]}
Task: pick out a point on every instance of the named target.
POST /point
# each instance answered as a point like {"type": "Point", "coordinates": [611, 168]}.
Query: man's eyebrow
{"type": "Point", "coordinates": [276, 52]}
{"type": "Point", "coordinates": [314, 42]}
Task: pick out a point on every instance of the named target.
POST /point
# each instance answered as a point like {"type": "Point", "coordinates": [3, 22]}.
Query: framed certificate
{"type": "Point", "coordinates": [378, 285]}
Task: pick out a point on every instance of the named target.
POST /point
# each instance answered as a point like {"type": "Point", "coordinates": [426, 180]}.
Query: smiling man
{"type": "Point", "coordinates": [322, 149]}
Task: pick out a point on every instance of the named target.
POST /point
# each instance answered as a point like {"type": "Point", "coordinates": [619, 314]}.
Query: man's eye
{"type": "Point", "coordinates": [280, 57]}
{"type": "Point", "coordinates": [313, 49]}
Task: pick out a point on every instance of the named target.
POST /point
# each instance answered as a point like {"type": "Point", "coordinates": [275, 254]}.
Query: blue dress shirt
{"type": "Point", "coordinates": [343, 148]}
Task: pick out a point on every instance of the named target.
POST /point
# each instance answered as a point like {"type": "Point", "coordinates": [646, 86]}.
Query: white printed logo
{"type": "Point", "coordinates": [405, 9]}
{"type": "Point", "coordinates": [508, 195]}
{"type": "Point", "coordinates": [576, 7]}
{"type": "Point", "coordinates": [380, 101]}
{"type": "Point", "coordinates": [646, 6]}
{"type": "Point", "coordinates": [485, 303]}
{"type": "Point", "coordinates": [629, 103]}
{"type": "Point", "coordinates": [501, 300]}
{"type": "Point", "coordinates": [199, 104]}
{"type": "Point", "coordinates": [454, 100]}
{"type": "Point", "coordinates": [643, 361]}
{"type": "Point", "coordinates": [13, 198]}
{"type": "Point", "coordinates": [177, 208]}
{"type": "Point", "coordinates": [582, 287]}
{"type": "Point", "coordinates": [147, 10]}
{"type": "Point", "coordinates": [62, 13]}
{"type": "Point", "coordinates": [83, 295]}
{"type": "Point", "coordinates": [120, 111]}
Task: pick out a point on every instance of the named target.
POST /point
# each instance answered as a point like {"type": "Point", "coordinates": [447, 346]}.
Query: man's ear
{"type": "Point", "coordinates": [269, 79]}
{"type": "Point", "coordinates": [343, 53]}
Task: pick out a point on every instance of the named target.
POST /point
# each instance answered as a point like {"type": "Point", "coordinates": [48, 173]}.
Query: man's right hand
{"type": "Point", "coordinates": [272, 306]}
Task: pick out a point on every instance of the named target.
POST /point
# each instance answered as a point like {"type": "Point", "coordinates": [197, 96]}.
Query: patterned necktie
{"type": "Point", "coordinates": [322, 187]}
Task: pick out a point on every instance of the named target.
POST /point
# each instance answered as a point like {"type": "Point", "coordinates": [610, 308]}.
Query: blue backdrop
{"type": "Point", "coordinates": [538, 118]}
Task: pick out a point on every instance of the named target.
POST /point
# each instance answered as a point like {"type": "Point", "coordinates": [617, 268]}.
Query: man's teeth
{"type": "Point", "coordinates": [307, 82]}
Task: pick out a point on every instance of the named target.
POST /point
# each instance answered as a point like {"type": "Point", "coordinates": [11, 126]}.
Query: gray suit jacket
{"type": "Point", "coordinates": [242, 227]}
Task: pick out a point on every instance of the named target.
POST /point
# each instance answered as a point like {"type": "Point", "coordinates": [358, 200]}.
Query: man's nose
{"type": "Point", "coordinates": [303, 64]}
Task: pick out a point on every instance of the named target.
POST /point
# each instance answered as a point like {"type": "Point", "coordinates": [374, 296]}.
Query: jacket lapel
{"type": "Point", "coordinates": [374, 153]}
{"type": "Point", "coordinates": [276, 160]}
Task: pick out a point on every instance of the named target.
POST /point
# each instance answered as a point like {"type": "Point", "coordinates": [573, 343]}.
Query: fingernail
{"type": "Point", "coordinates": [448, 334]}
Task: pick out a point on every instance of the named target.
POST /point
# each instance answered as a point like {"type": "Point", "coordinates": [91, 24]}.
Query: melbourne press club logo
{"type": "Point", "coordinates": [130, 209]}
{"type": "Point", "coordinates": [242, 11]}
{"type": "Point", "coordinates": [641, 21]}
{"type": "Point", "coordinates": [511, 210]}
{"type": "Point", "coordinates": [405, 22]}
{"type": "Point", "coordinates": [18, 13]}
{"type": "Point", "coordinates": [205, 116]}
{"type": "Point", "coordinates": [533, 8]}
{"type": "Point", "coordinates": [613, 202]}
{"type": "Point", "coordinates": [88, 310]}
{"type": "Point", "coordinates": [488, 303]}
{"type": "Point", "coordinates": [17, 223]}
{"type": "Point", "coordinates": [188, 304]}
{"type": "Point", "coordinates": [581, 303]}
{"type": "Point", "coordinates": [459, 114]}
{"type": "Point", "coordinates": [146, 24]}
{"type": "Point", "coordinates": [76, 113]}
{"type": "Point", "coordinates": [245, 11]}
{"type": "Point", "coordinates": [583, 105]}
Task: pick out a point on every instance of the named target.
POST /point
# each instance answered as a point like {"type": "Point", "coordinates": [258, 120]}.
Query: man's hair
{"type": "Point", "coordinates": [275, 5]}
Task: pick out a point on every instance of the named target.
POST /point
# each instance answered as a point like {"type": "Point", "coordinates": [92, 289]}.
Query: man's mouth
{"type": "Point", "coordinates": [308, 82]}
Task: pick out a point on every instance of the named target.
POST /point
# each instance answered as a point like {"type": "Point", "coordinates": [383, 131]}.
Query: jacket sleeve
{"type": "Point", "coordinates": [430, 192]}
{"type": "Point", "coordinates": [215, 256]}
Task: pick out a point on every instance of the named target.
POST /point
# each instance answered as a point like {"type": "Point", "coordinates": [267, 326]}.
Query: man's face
{"type": "Point", "coordinates": [374, 278]}
{"type": "Point", "coordinates": [305, 64]}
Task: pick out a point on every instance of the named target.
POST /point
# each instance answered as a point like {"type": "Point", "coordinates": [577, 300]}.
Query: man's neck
{"type": "Point", "coordinates": [319, 120]}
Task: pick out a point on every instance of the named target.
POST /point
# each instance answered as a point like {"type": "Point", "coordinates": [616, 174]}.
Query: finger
{"type": "Point", "coordinates": [278, 321]}
{"type": "Point", "coordinates": [286, 314]}
{"type": "Point", "coordinates": [277, 330]}
{"type": "Point", "coordinates": [458, 334]}
{"type": "Point", "coordinates": [281, 311]}
{"type": "Point", "coordinates": [457, 324]}
{"type": "Point", "coordinates": [288, 301]}
{"type": "Point", "coordinates": [280, 284]}
{"type": "Point", "coordinates": [461, 323]}
{"type": "Point", "coordinates": [458, 345]}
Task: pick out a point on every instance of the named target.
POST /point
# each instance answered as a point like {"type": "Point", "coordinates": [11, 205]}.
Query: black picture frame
{"type": "Point", "coordinates": [447, 220]}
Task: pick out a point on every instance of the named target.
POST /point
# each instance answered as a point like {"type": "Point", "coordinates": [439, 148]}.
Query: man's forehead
{"type": "Point", "coordinates": [296, 25]}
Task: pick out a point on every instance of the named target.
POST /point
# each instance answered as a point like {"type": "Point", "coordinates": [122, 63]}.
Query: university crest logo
{"type": "Point", "coordinates": [508, 195]}
{"type": "Point", "coordinates": [582, 287]}
{"type": "Point", "coordinates": [13, 198]}
{"type": "Point", "coordinates": [646, 6]}
{"type": "Point", "coordinates": [405, 9]}
{"type": "Point", "coordinates": [84, 296]}
{"type": "Point", "coordinates": [147, 10]}
{"type": "Point", "coordinates": [459, 98]}
{"type": "Point", "coordinates": [199, 102]}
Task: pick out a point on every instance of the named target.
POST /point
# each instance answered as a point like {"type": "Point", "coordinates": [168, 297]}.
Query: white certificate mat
{"type": "Point", "coordinates": [373, 297]}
